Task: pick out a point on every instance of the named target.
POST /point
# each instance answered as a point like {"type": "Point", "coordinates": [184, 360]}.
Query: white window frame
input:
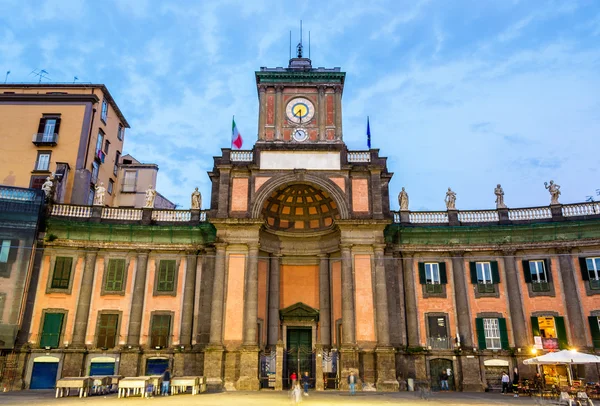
{"type": "Point", "coordinates": [128, 187]}
{"type": "Point", "coordinates": [38, 164]}
{"type": "Point", "coordinates": [4, 250]}
{"type": "Point", "coordinates": [120, 132]}
{"type": "Point", "coordinates": [49, 127]}
{"type": "Point", "coordinates": [104, 110]}
{"type": "Point", "coordinates": [540, 275]}
{"type": "Point", "coordinates": [491, 329]}
{"type": "Point", "coordinates": [110, 186]}
{"type": "Point", "coordinates": [99, 142]}
{"type": "Point", "coordinates": [91, 195]}
{"type": "Point", "coordinates": [95, 171]}
{"type": "Point", "coordinates": [484, 272]}
{"type": "Point", "coordinates": [432, 273]}
{"type": "Point", "coordinates": [594, 272]}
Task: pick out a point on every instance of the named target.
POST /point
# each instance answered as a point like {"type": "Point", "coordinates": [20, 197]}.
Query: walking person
{"type": "Point", "coordinates": [515, 383]}
{"type": "Point", "coordinates": [293, 378]}
{"type": "Point", "coordinates": [305, 383]}
{"type": "Point", "coordinates": [166, 379]}
{"type": "Point", "coordinates": [505, 382]}
{"type": "Point", "coordinates": [352, 383]}
{"type": "Point", "coordinates": [444, 380]}
{"type": "Point", "coordinates": [296, 394]}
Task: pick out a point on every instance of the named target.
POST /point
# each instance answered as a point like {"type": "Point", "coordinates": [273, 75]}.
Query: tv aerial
{"type": "Point", "coordinates": [41, 74]}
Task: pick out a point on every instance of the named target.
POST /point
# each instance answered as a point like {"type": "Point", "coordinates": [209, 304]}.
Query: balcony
{"type": "Point", "coordinates": [45, 139]}
{"type": "Point", "coordinates": [99, 156]}
{"type": "Point", "coordinates": [439, 343]}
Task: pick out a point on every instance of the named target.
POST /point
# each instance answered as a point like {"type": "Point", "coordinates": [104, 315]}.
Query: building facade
{"type": "Point", "coordinates": [299, 265]}
{"type": "Point", "coordinates": [74, 131]}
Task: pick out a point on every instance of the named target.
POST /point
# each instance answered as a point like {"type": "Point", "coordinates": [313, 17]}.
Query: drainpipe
{"type": "Point", "coordinates": [87, 147]}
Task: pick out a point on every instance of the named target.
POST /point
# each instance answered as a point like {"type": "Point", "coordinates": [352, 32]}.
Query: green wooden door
{"type": "Point", "coordinates": [299, 352]}
{"type": "Point", "coordinates": [51, 330]}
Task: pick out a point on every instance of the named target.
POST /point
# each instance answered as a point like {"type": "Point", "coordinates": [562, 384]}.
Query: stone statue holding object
{"type": "Point", "coordinates": [150, 196]}
{"type": "Point", "coordinates": [99, 195]}
{"type": "Point", "coordinates": [403, 200]}
{"type": "Point", "coordinates": [48, 187]}
{"type": "Point", "coordinates": [196, 200]}
{"type": "Point", "coordinates": [554, 190]}
{"type": "Point", "coordinates": [499, 197]}
{"type": "Point", "coordinates": [450, 200]}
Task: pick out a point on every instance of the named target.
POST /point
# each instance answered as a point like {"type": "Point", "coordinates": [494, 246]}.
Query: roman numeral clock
{"type": "Point", "coordinates": [300, 111]}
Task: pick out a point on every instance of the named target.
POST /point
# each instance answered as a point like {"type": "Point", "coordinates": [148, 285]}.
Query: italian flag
{"type": "Point", "coordinates": [236, 137]}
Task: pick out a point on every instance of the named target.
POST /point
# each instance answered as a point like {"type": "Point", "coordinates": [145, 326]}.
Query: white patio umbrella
{"type": "Point", "coordinates": [567, 357]}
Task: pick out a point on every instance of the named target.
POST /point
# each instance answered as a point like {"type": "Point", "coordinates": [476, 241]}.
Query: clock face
{"type": "Point", "coordinates": [300, 135]}
{"type": "Point", "coordinates": [300, 110]}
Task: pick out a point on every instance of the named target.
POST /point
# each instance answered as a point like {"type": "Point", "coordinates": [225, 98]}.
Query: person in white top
{"type": "Point", "coordinates": [505, 382]}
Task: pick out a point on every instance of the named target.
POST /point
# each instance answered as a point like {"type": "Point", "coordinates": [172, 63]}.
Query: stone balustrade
{"type": "Point", "coordinates": [428, 217]}
{"type": "Point", "coordinates": [478, 216]}
{"type": "Point", "coordinates": [171, 215]}
{"type": "Point", "coordinates": [128, 214]}
{"type": "Point", "coordinates": [117, 213]}
{"type": "Point", "coordinates": [530, 213]}
{"type": "Point", "coordinates": [581, 209]}
{"type": "Point", "coordinates": [67, 210]}
{"type": "Point", "coordinates": [242, 156]}
{"type": "Point", "coordinates": [21, 194]}
{"type": "Point", "coordinates": [359, 156]}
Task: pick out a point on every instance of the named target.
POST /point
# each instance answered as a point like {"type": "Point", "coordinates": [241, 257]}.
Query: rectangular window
{"type": "Point", "coordinates": [548, 333]}
{"type": "Point", "coordinates": [166, 275]}
{"type": "Point", "coordinates": [432, 273]}
{"type": "Point", "coordinates": [110, 186]}
{"type": "Point", "coordinates": [485, 280]}
{"type": "Point", "coordinates": [99, 143]}
{"type": "Point", "coordinates": [51, 330]}
{"type": "Point", "coordinates": [4, 250]}
{"type": "Point", "coordinates": [593, 268]}
{"type": "Point", "coordinates": [539, 276]}
{"type": "Point", "coordinates": [120, 132]}
{"type": "Point", "coordinates": [492, 334]}
{"type": "Point", "coordinates": [62, 273]}
{"type": "Point", "coordinates": [106, 146]}
{"type": "Point", "coordinates": [129, 181]}
{"type": "Point", "coordinates": [115, 275]}
{"type": "Point", "coordinates": [116, 167]}
{"type": "Point", "coordinates": [49, 130]}
{"type": "Point", "coordinates": [104, 110]}
{"type": "Point", "coordinates": [91, 195]}
{"type": "Point", "coordinates": [107, 330]}
{"type": "Point", "coordinates": [43, 161]}
{"type": "Point", "coordinates": [37, 181]}
{"type": "Point", "coordinates": [161, 326]}
{"type": "Point", "coordinates": [438, 333]}
{"type": "Point", "coordinates": [95, 170]}
{"type": "Point", "coordinates": [595, 330]}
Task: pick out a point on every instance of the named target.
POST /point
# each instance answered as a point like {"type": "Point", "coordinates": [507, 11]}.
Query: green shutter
{"type": "Point", "coordinates": [480, 333]}
{"type": "Point", "coordinates": [561, 333]}
{"type": "Point", "coordinates": [473, 269]}
{"type": "Point", "coordinates": [62, 273]}
{"type": "Point", "coordinates": [166, 276]}
{"type": "Point", "coordinates": [115, 275]}
{"type": "Point", "coordinates": [51, 330]}
{"type": "Point", "coordinates": [443, 275]}
{"type": "Point", "coordinates": [595, 330]}
{"type": "Point", "coordinates": [107, 330]}
{"type": "Point", "coordinates": [548, 266]}
{"type": "Point", "coordinates": [535, 326]}
{"type": "Point", "coordinates": [495, 273]}
{"type": "Point", "coordinates": [161, 326]}
{"type": "Point", "coordinates": [503, 333]}
{"type": "Point", "coordinates": [585, 273]}
{"type": "Point", "coordinates": [422, 279]}
{"type": "Point", "coordinates": [527, 272]}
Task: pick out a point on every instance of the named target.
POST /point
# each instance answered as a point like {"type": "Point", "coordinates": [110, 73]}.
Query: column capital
{"type": "Point", "coordinates": [344, 247]}
{"type": "Point", "coordinates": [321, 89]}
{"type": "Point", "coordinates": [323, 256]}
{"type": "Point", "coordinates": [508, 252]}
{"type": "Point", "coordinates": [379, 248]}
{"type": "Point", "coordinates": [564, 250]}
{"type": "Point", "coordinates": [221, 246]}
{"type": "Point", "coordinates": [457, 253]}
{"type": "Point", "coordinates": [262, 88]}
{"type": "Point", "coordinates": [253, 246]}
{"type": "Point", "coordinates": [278, 88]}
{"type": "Point", "coordinates": [337, 88]}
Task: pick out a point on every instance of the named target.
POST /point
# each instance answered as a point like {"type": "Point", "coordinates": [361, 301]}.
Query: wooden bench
{"type": "Point", "coordinates": [180, 384]}
{"type": "Point", "coordinates": [82, 383]}
{"type": "Point", "coordinates": [133, 386]}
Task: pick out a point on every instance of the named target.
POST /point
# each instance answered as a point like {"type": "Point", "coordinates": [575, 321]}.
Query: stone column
{"type": "Point", "coordinates": [348, 329]}
{"type": "Point", "coordinates": [274, 284]}
{"type": "Point", "coordinates": [338, 112]}
{"type": "Point", "coordinates": [251, 297]}
{"type": "Point", "coordinates": [216, 314]}
{"type": "Point", "coordinates": [262, 111]}
{"type": "Point", "coordinates": [410, 297]}
{"type": "Point", "coordinates": [462, 301]}
{"type": "Point", "coordinates": [278, 112]}
{"type": "Point", "coordinates": [206, 287]}
{"type": "Point", "coordinates": [189, 289]}
{"type": "Point", "coordinates": [324, 301]}
{"type": "Point", "coordinates": [515, 301]}
{"type": "Point", "coordinates": [137, 305]}
{"type": "Point", "coordinates": [82, 313]}
{"type": "Point", "coordinates": [572, 301]}
{"type": "Point", "coordinates": [321, 113]}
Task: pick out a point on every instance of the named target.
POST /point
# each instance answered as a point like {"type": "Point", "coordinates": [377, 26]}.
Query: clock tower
{"type": "Point", "coordinates": [300, 104]}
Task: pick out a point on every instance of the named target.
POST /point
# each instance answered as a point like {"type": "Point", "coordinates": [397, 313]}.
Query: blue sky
{"type": "Point", "coordinates": [465, 94]}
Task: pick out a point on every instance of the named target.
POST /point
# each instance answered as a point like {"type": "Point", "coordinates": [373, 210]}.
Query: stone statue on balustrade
{"type": "Point", "coordinates": [196, 200]}
{"type": "Point", "coordinates": [150, 196]}
{"type": "Point", "coordinates": [99, 195]}
{"type": "Point", "coordinates": [499, 192]}
{"type": "Point", "coordinates": [403, 200]}
{"type": "Point", "coordinates": [554, 190]}
{"type": "Point", "coordinates": [48, 187]}
{"type": "Point", "coordinates": [450, 200]}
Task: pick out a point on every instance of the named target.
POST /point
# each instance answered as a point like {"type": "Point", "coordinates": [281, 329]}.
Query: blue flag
{"type": "Point", "coordinates": [368, 134]}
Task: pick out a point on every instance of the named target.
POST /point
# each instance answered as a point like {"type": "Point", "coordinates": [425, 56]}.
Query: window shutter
{"type": "Point", "coordinates": [495, 273]}
{"type": "Point", "coordinates": [51, 330]}
{"type": "Point", "coordinates": [547, 264]}
{"type": "Point", "coordinates": [12, 252]}
{"type": "Point", "coordinates": [595, 330]}
{"type": "Point", "coordinates": [422, 279]}
{"type": "Point", "coordinates": [473, 268]}
{"type": "Point", "coordinates": [57, 125]}
{"type": "Point", "coordinates": [535, 326]}
{"type": "Point", "coordinates": [480, 332]}
{"type": "Point", "coordinates": [42, 126]}
{"type": "Point", "coordinates": [503, 333]}
{"type": "Point", "coordinates": [527, 272]}
{"type": "Point", "coordinates": [561, 333]}
{"type": "Point", "coordinates": [443, 275]}
{"type": "Point", "coordinates": [585, 274]}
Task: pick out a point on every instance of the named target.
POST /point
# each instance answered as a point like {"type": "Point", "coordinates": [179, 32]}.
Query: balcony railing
{"type": "Point", "coordinates": [359, 156]}
{"type": "Point", "coordinates": [66, 210]}
{"type": "Point", "coordinates": [242, 156]}
{"type": "Point", "coordinates": [127, 213]}
{"type": "Point", "coordinates": [439, 343]}
{"type": "Point", "coordinates": [45, 139]}
{"type": "Point", "coordinates": [581, 209]}
{"type": "Point", "coordinates": [111, 213]}
{"type": "Point", "coordinates": [478, 216]}
{"type": "Point", "coordinates": [428, 217]}
{"type": "Point", "coordinates": [540, 286]}
{"type": "Point", "coordinates": [530, 213]}
{"type": "Point", "coordinates": [171, 215]}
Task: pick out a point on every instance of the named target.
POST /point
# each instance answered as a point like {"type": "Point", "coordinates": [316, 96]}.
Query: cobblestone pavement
{"type": "Point", "coordinates": [270, 398]}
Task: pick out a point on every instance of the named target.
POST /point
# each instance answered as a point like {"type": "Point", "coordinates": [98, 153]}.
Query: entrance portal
{"type": "Point", "coordinates": [436, 366]}
{"type": "Point", "coordinates": [299, 354]}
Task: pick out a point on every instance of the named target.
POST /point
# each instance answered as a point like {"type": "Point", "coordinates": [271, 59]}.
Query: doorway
{"type": "Point", "coordinates": [436, 366]}
{"type": "Point", "coordinates": [299, 354]}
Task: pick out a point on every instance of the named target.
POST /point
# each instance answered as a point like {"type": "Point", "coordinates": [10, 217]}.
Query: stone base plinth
{"type": "Point", "coordinates": [319, 384]}
{"type": "Point", "coordinates": [248, 372]}
{"type": "Point", "coordinates": [386, 370]}
{"type": "Point", "coordinates": [367, 369]}
{"type": "Point", "coordinates": [471, 374]}
{"type": "Point", "coordinates": [279, 366]}
{"type": "Point", "coordinates": [213, 367]}
{"type": "Point", "coordinates": [348, 363]}
{"type": "Point", "coordinates": [129, 365]}
{"type": "Point", "coordinates": [73, 364]}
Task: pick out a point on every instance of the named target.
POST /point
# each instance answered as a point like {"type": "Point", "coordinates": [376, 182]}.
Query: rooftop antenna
{"type": "Point", "coordinates": [75, 79]}
{"type": "Point", "coordinates": [6, 77]}
{"type": "Point", "coordinates": [299, 47]}
{"type": "Point", "coordinates": [41, 74]}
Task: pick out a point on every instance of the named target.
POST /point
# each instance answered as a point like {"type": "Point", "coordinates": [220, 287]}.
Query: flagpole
{"type": "Point", "coordinates": [231, 136]}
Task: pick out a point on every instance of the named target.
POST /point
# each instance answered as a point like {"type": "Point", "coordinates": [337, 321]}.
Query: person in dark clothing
{"type": "Point", "coordinates": [515, 383]}
{"type": "Point", "coordinates": [305, 383]}
{"type": "Point", "coordinates": [444, 380]}
{"type": "Point", "coordinates": [166, 378]}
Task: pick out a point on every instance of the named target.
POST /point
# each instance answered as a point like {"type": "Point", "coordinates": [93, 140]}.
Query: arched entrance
{"type": "Point", "coordinates": [436, 366]}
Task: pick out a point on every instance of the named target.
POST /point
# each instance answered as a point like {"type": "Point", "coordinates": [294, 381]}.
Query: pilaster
{"type": "Point", "coordinates": [249, 362]}
{"type": "Point", "coordinates": [515, 300]}
{"type": "Point", "coordinates": [274, 284]}
{"type": "Point", "coordinates": [348, 327]}
{"type": "Point", "coordinates": [462, 299]}
{"type": "Point", "coordinates": [572, 300]}
{"type": "Point", "coordinates": [262, 112]}
{"type": "Point", "coordinates": [410, 297]}
{"type": "Point", "coordinates": [189, 289]}
{"type": "Point", "coordinates": [83, 304]}
{"type": "Point", "coordinates": [137, 304]}
{"type": "Point", "coordinates": [324, 301]}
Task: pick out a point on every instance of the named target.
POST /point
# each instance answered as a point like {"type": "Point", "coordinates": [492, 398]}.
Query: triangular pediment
{"type": "Point", "coordinates": [299, 311]}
